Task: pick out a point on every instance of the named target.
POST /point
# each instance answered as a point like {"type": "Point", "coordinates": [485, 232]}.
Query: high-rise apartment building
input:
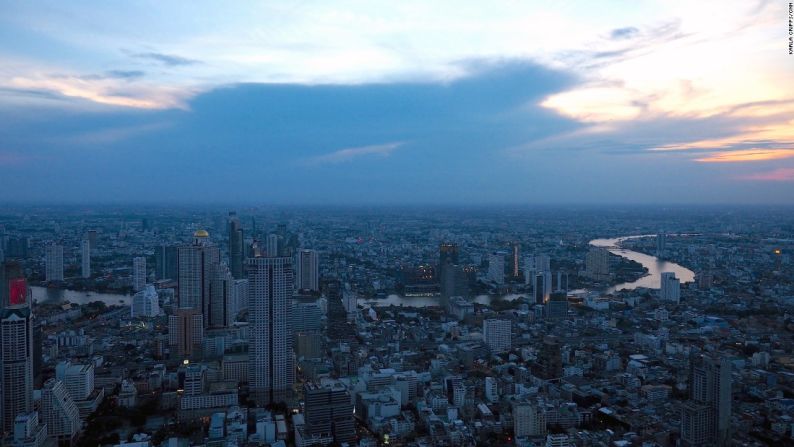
{"type": "Point", "coordinates": [670, 288]}
{"type": "Point", "coordinates": [138, 273]}
{"type": "Point", "coordinates": [53, 262]}
{"type": "Point", "coordinates": [185, 332]}
{"type": "Point", "coordinates": [59, 412]}
{"type": "Point", "coordinates": [497, 334]}
{"type": "Point", "coordinates": [307, 270]}
{"type": "Point", "coordinates": [85, 258]}
{"type": "Point", "coordinates": [16, 363]}
{"type": "Point", "coordinates": [706, 416]}
{"type": "Point", "coordinates": [328, 414]}
{"type": "Point", "coordinates": [270, 287]}
{"type": "Point", "coordinates": [496, 268]}
{"type": "Point", "coordinates": [529, 420]}
{"type": "Point", "coordinates": [661, 242]}
{"type": "Point", "coordinates": [597, 264]}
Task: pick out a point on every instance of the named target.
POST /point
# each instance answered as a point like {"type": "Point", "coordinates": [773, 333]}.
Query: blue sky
{"type": "Point", "coordinates": [396, 102]}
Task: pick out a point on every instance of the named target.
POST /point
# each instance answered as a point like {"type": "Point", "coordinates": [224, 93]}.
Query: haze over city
{"type": "Point", "coordinates": [396, 103]}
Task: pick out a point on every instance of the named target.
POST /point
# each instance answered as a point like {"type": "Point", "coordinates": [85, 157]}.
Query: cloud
{"type": "Point", "coordinates": [775, 175]}
{"type": "Point", "coordinates": [624, 33]}
{"type": "Point", "coordinates": [350, 153]}
{"type": "Point", "coordinates": [746, 155]}
{"type": "Point", "coordinates": [167, 59]}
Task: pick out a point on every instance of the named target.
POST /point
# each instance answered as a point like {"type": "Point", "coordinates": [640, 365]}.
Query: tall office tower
{"type": "Point", "coordinates": [543, 263]}
{"type": "Point", "coordinates": [85, 258]}
{"type": "Point", "coordinates": [541, 288]}
{"type": "Point", "coordinates": [222, 309]}
{"type": "Point", "coordinates": [145, 303]}
{"type": "Point", "coordinates": [165, 262]}
{"type": "Point", "coordinates": [59, 412]}
{"type": "Point", "coordinates": [270, 286]}
{"type": "Point", "coordinates": [53, 261]}
{"type": "Point", "coordinates": [328, 415]}
{"type": "Point", "coordinates": [706, 417]}
{"type": "Point", "coordinates": [597, 264]}
{"type": "Point", "coordinates": [185, 332]}
{"type": "Point", "coordinates": [272, 245]}
{"type": "Point", "coordinates": [529, 420]}
{"type": "Point", "coordinates": [307, 270]}
{"type": "Point", "coordinates": [516, 256]}
{"type": "Point", "coordinates": [447, 253]}
{"type": "Point", "coordinates": [13, 287]}
{"type": "Point", "coordinates": [16, 363]}
{"type": "Point", "coordinates": [236, 246]}
{"type": "Point", "coordinates": [661, 241]}
{"type": "Point", "coordinates": [92, 237]}
{"type": "Point", "coordinates": [670, 288]}
{"type": "Point", "coordinates": [196, 264]}
{"type": "Point", "coordinates": [497, 335]}
{"type": "Point", "coordinates": [496, 268]}
{"type": "Point", "coordinates": [138, 273]}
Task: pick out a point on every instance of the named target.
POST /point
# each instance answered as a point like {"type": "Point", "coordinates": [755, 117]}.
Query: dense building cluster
{"type": "Point", "coordinates": [412, 327]}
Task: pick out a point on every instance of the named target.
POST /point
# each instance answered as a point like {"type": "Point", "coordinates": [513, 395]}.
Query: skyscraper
{"type": "Point", "coordinates": [706, 417]}
{"type": "Point", "coordinates": [196, 264]}
{"type": "Point", "coordinates": [13, 287]}
{"type": "Point", "coordinates": [270, 287]}
{"type": "Point", "coordinates": [516, 272]}
{"type": "Point", "coordinates": [53, 261]}
{"type": "Point", "coordinates": [222, 307]}
{"type": "Point", "coordinates": [165, 262]}
{"type": "Point", "coordinates": [541, 288]}
{"type": "Point", "coordinates": [307, 270]}
{"type": "Point", "coordinates": [272, 245]}
{"type": "Point", "coordinates": [236, 246]}
{"type": "Point", "coordinates": [85, 258]}
{"type": "Point", "coordinates": [138, 273]}
{"type": "Point", "coordinates": [661, 241]}
{"type": "Point", "coordinates": [16, 363]}
{"type": "Point", "coordinates": [670, 288]}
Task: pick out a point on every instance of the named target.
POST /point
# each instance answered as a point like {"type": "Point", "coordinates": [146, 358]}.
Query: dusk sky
{"type": "Point", "coordinates": [402, 102]}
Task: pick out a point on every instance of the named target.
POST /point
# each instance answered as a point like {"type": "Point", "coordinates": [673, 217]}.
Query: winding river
{"type": "Point", "coordinates": [651, 280]}
{"type": "Point", "coordinates": [654, 265]}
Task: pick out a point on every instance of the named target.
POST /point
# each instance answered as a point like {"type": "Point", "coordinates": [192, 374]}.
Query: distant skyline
{"type": "Point", "coordinates": [348, 103]}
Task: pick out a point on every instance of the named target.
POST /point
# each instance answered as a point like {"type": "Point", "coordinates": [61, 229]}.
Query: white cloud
{"type": "Point", "coordinates": [350, 153]}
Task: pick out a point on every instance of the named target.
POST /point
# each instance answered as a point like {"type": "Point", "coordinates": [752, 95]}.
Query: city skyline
{"type": "Point", "coordinates": [396, 104]}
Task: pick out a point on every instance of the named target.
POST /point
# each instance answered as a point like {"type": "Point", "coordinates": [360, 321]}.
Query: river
{"type": "Point", "coordinates": [50, 296]}
{"type": "Point", "coordinates": [654, 265]}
